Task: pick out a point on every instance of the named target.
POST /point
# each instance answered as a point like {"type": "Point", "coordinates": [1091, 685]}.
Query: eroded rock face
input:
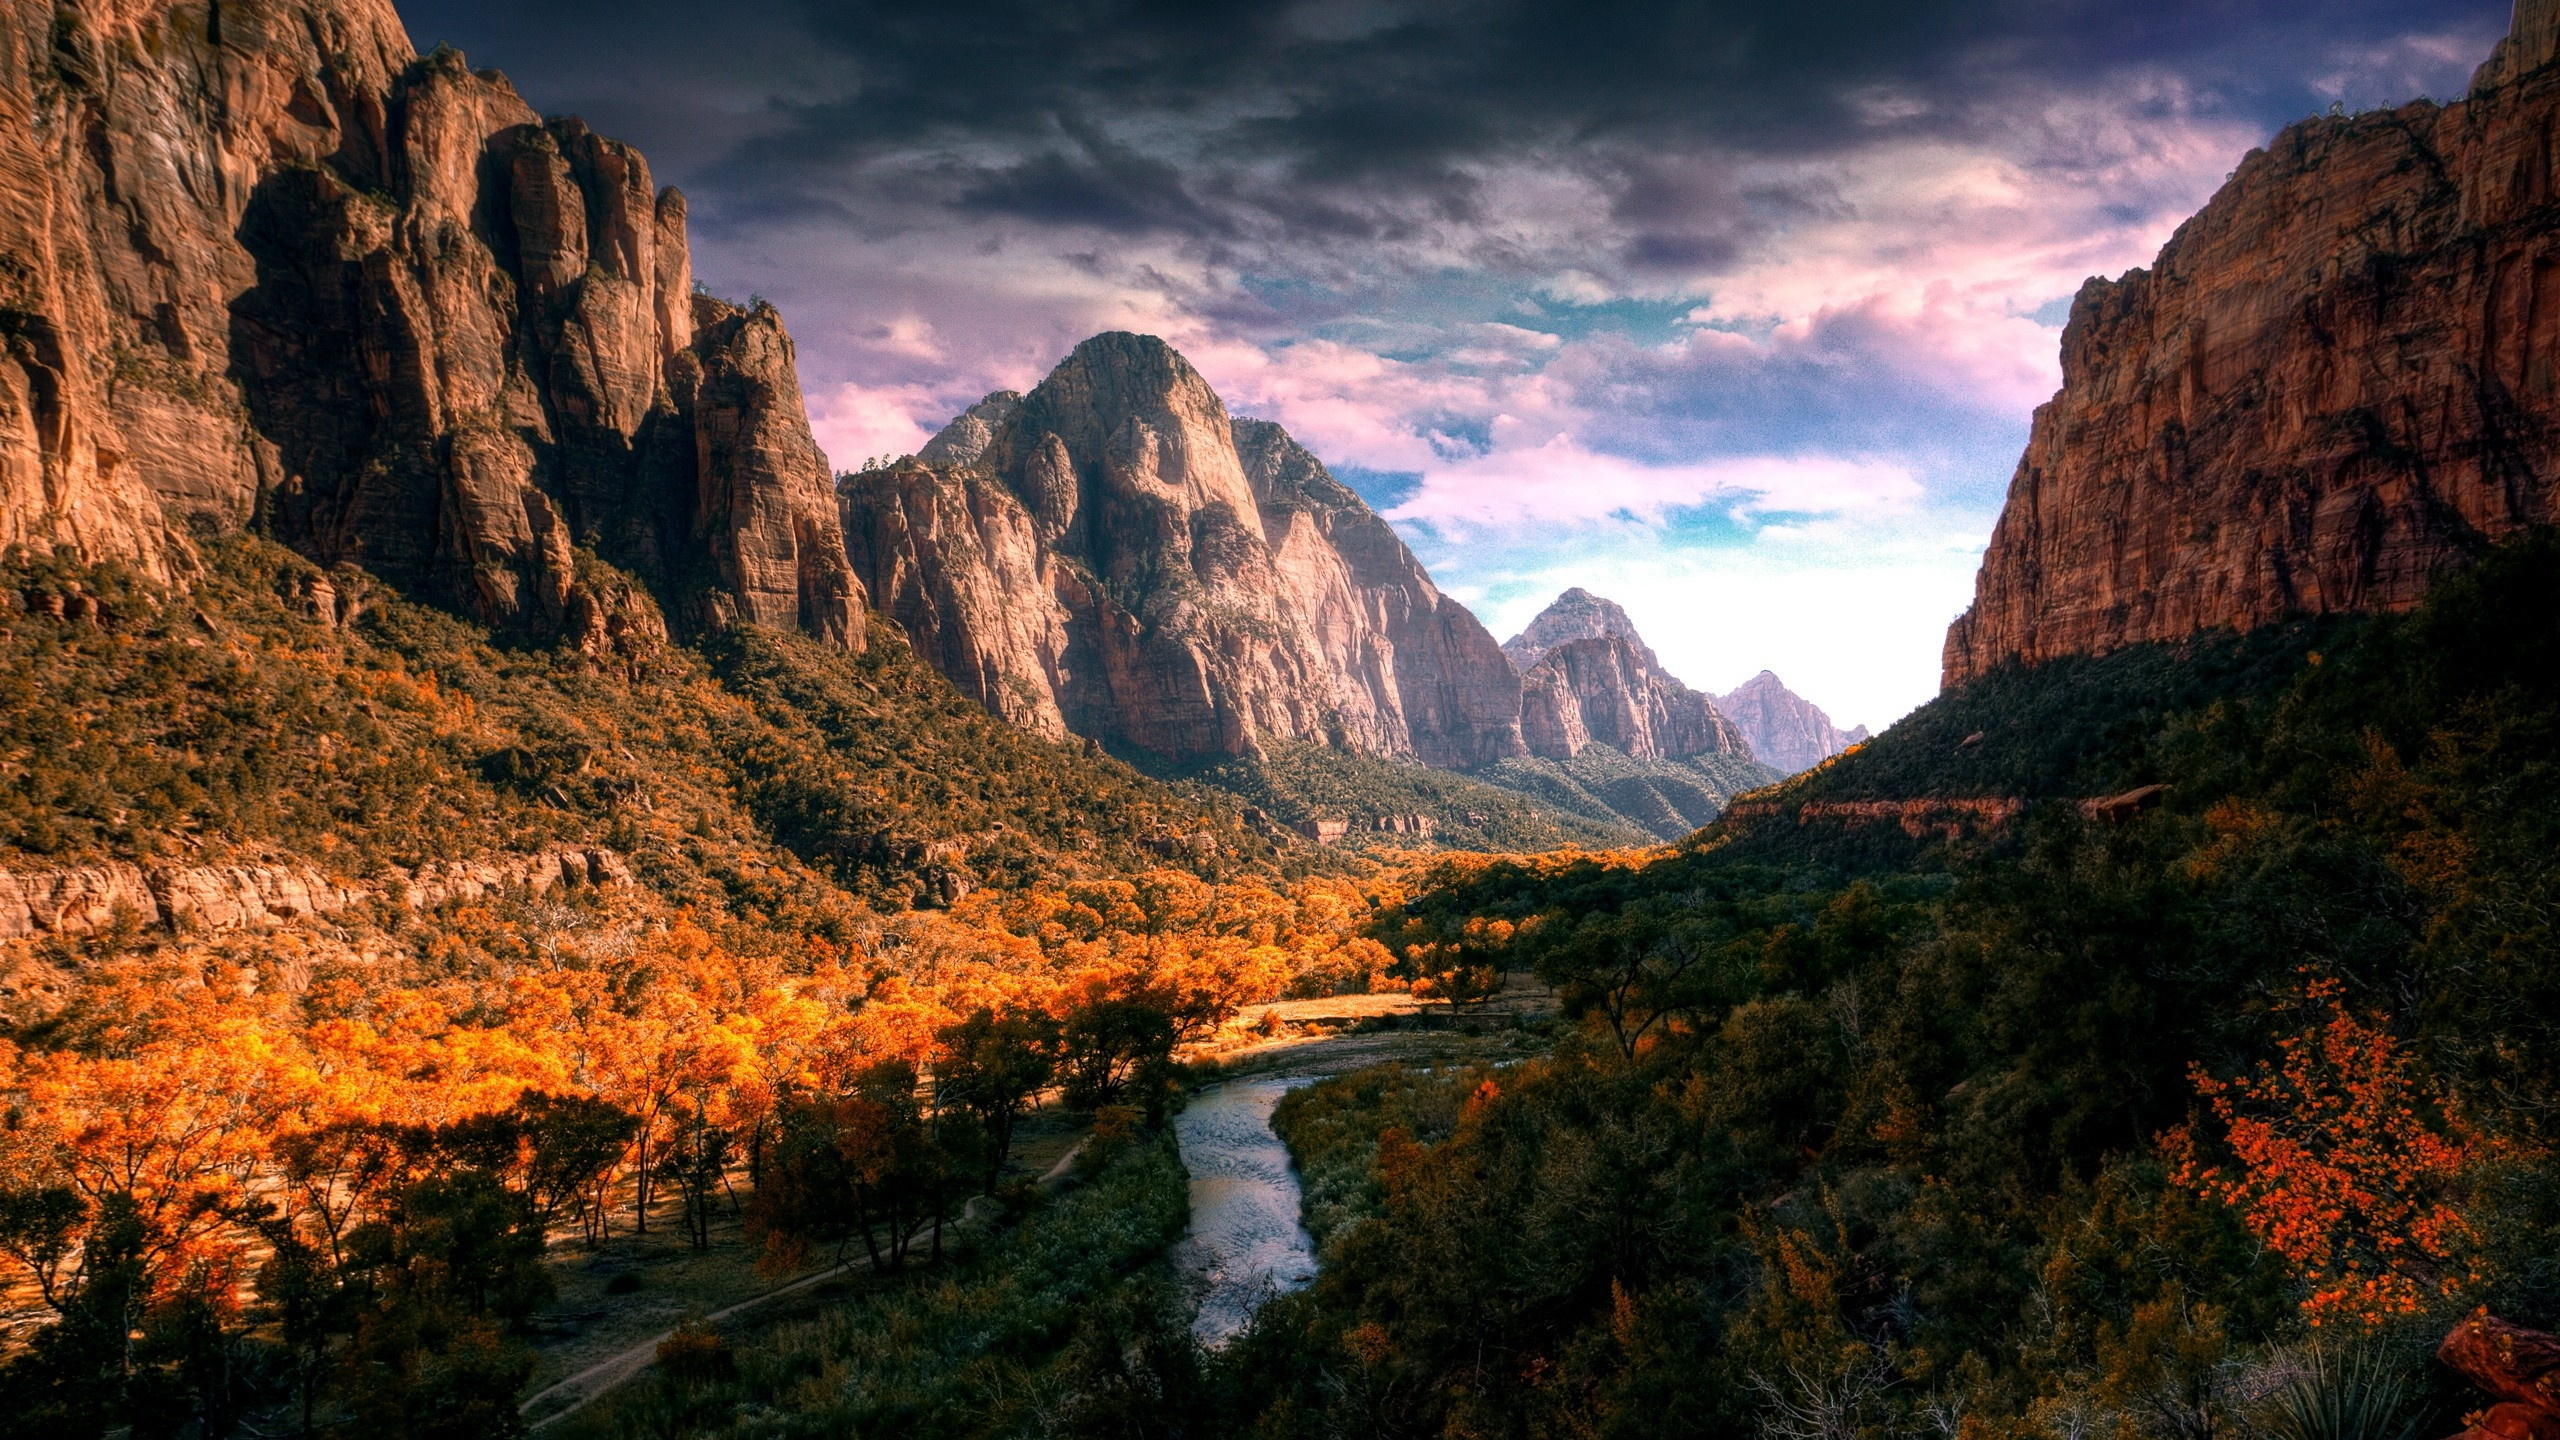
{"type": "Point", "coordinates": [1608, 690]}
{"type": "Point", "coordinates": [1588, 678]}
{"type": "Point", "coordinates": [2339, 378]}
{"type": "Point", "coordinates": [263, 261]}
{"type": "Point", "coordinates": [1115, 556]}
{"type": "Point", "coordinates": [86, 900]}
{"type": "Point", "coordinates": [1786, 730]}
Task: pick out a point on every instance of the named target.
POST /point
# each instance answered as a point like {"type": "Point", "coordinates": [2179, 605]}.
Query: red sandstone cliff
{"type": "Point", "coordinates": [258, 260]}
{"type": "Point", "coordinates": [1114, 555]}
{"type": "Point", "coordinates": [2339, 378]}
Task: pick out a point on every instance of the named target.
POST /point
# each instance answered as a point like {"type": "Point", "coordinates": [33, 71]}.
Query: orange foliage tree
{"type": "Point", "coordinates": [202, 1104]}
{"type": "Point", "coordinates": [2342, 1160]}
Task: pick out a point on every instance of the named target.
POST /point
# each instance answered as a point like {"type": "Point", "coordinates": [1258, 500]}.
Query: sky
{"type": "Point", "coordinates": [1735, 313]}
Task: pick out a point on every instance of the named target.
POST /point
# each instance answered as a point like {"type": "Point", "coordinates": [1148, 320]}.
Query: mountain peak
{"type": "Point", "coordinates": [1577, 614]}
{"type": "Point", "coordinates": [1115, 555]}
{"type": "Point", "coordinates": [1785, 729]}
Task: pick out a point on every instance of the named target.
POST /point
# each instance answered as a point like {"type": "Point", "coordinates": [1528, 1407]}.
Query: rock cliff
{"type": "Point", "coordinates": [1590, 678]}
{"type": "Point", "coordinates": [260, 262]}
{"type": "Point", "coordinates": [1786, 730]}
{"type": "Point", "coordinates": [1113, 555]}
{"type": "Point", "coordinates": [2339, 378]}
{"type": "Point", "coordinates": [1608, 690]}
{"type": "Point", "coordinates": [89, 899]}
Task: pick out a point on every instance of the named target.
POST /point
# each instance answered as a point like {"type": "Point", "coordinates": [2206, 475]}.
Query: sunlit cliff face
{"type": "Point", "coordinates": [1737, 311]}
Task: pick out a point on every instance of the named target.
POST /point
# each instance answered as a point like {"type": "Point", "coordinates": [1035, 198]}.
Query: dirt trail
{"type": "Point", "coordinates": [569, 1396]}
{"type": "Point", "coordinates": [576, 1392]}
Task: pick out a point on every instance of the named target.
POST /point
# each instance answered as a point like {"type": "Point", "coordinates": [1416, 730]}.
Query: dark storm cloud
{"type": "Point", "coordinates": [1334, 95]}
{"type": "Point", "coordinates": [1679, 288]}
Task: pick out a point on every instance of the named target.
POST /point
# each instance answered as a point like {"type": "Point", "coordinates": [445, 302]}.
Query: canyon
{"type": "Point", "coordinates": [2337, 381]}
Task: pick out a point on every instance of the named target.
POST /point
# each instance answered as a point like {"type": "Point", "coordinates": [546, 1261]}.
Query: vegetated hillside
{"type": "Point", "coordinates": [1377, 798]}
{"type": "Point", "coordinates": [2176, 1123]}
{"type": "Point", "coordinates": [2079, 727]}
{"type": "Point", "coordinates": [234, 725]}
{"type": "Point", "coordinates": [335, 1134]}
{"type": "Point", "coordinates": [1666, 799]}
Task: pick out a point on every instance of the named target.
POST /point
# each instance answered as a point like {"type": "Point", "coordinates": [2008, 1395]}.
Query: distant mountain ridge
{"type": "Point", "coordinates": [1611, 734]}
{"type": "Point", "coordinates": [1785, 729]}
{"type": "Point", "coordinates": [1577, 614]}
{"type": "Point", "coordinates": [1589, 678]}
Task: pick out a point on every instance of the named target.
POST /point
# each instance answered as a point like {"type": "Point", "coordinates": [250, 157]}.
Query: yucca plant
{"type": "Point", "coordinates": [2360, 1394]}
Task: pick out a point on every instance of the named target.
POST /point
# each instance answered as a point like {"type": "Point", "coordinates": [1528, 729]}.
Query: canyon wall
{"type": "Point", "coordinates": [2338, 379]}
{"type": "Point", "coordinates": [260, 262]}
{"type": "Point", "coordinates": [1115, 556]}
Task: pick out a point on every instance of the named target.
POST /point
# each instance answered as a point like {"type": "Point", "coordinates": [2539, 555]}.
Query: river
{"type": "Point", "coordinates": [1245, 1242]}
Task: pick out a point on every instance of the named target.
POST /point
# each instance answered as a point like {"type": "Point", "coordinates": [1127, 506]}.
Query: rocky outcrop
{"type": "Point", "coordinates": [260, 261]}
{"type": "Point", "coordinates": [1113, 555]}
{"type": "Point", "coordinates": [2340, 378]}
{"type": "Point", "coordinates": [1946, 819]}
{"type": "Point", "coordinates": [432, 886]}
{"type": "Point", "coordinates": [1589, 678]}
{"type": "Point", "coordinates": [90, 899]}
{"type": "Point", "coordinates": [2520, 1368]}
{"type": "Point", "coordinates": [1608, 691]}
{"type": "Point", "coordinates": [1786, 730]}
{"type": "Point", "coordinates": [952, 555]}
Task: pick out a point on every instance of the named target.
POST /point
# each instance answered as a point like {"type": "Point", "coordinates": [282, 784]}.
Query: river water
{"type": "Point", "coordinates": [1245, 1242]}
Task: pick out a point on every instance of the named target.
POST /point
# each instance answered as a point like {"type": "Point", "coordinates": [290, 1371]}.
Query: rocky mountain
{"type": "Point", "coordinates": [2340, 378]}
{"type": "Point", "coordinates": [1588, 677]}
{"type": "Point", "coordinates": [1608, 690]}
{"type": "Point", "coordinates": [1113, 555]}
{"type": "Point", "coordinates": [1577, 614]}
{"type": "Point", "coordinates": [265, 264]}
{"type": "Point", "coordinates": [1785, 729]}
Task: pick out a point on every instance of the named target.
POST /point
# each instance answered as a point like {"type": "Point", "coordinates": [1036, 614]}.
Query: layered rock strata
{"type": "Point", "coordinates": [2340, 378]}
{"type": "Point", "coordinates": [1945, 818]}
{"type": "Point", "coordinates": [89, 899]}
{"type": "Point", "coordinates": [1115, 556]}
{"type": "Point", "coordinates": [261, 261]}
{"type": "Point", "coordinates": [1786, 730]}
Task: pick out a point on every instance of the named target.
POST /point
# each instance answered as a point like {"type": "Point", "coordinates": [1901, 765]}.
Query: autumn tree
{"type": "Point", "coordinates": [992, 1068]}
{"type": "Point", "coordinates": [2342, 1159]}
{"type": "Point", "coordinates": [1111, 1049]}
